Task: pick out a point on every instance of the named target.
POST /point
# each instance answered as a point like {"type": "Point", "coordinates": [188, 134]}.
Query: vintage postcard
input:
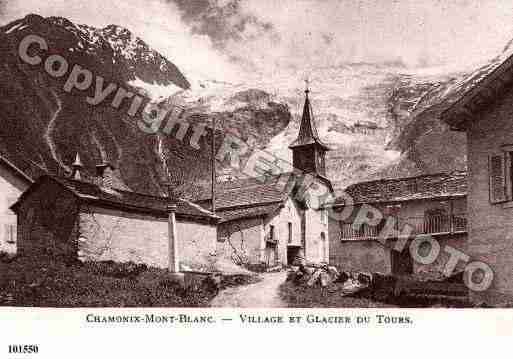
{"type": "Point", "coordinates": [171, 166]}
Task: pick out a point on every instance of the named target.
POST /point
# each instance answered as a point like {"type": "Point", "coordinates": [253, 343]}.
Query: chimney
{"type": "Point", "coordinates": [77, 166]}
{"type": "Point", "coordinates": [105, 174]}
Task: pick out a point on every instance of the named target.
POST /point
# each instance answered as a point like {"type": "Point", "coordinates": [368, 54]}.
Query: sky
{"type": "Point", "coordinates": [234, 40]}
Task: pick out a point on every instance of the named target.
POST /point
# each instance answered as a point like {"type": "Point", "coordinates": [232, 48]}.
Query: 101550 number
{"type": "Point", "coordinates": [23, 349]}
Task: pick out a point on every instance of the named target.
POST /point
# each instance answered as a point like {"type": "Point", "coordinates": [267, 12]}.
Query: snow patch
{"type": "Point", "coordinates": [154, 91]}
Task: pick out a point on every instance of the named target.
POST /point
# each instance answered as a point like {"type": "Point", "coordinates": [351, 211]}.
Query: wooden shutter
{"type": "Point", "coordinates": [497, 179]}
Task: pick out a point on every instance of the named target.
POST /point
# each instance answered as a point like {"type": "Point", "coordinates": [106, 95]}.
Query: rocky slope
{"type": "Point", "coordinates": [43, 126]}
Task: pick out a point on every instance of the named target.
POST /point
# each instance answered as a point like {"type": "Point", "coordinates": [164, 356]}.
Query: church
{"type": "Point", "coordinates": [265, 222]}
{"type": "Point", "coordinates": [257, 222]}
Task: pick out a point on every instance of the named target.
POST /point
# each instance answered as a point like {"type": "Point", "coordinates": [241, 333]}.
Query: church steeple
{"type": "Point", "coordinates": [308, 151]}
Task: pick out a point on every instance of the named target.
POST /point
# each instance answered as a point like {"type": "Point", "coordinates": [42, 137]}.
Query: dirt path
{"type": "Point", "coordinates": [263, 294]}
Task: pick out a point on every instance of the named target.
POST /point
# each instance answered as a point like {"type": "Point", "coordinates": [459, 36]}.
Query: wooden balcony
{"type": "Point", "coordinates": [434, 225]}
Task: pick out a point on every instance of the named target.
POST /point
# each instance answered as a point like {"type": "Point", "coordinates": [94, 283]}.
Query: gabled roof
{"type": "Point", "coordinates": [249, 191]}
{"type": "Point", "coordinates": [261, 210]}
{"type": "Point", "coordinates": [23, 169]}
{"type": "Point", "coordinates": [123, 200]}
{"type": "Point", "coordinates": [307, 131]}
{"type": "Point", "coordinates": [483, 93]}
{"type": "Point", "coordinates": [432, 186]}
{"type": "Point", "coordinates": [249, 197]}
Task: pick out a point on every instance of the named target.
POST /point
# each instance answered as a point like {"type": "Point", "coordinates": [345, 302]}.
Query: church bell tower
{"type": "Point", "coordinates": [308, 151]}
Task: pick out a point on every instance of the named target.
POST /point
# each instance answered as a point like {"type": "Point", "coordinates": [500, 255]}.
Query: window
{"type": "Point", "coordinates": [324, 216]}
{"type": "Point", "coordinates": [271, 233]}
{"type": "Point", "coordinates": [10, 233]}
{"type": "Point", "coordinates": [290, 232]}
{"type": "Point", "coordinates": [497, 179]}
{"type": "Point", "coordinates": [411, 186]}
{"type": "Point", "coordinates": [509, 173]}
{"type": "Point", "coordinates": [393, 188]}
{"type": "Point", "coordinates": [324, 248]}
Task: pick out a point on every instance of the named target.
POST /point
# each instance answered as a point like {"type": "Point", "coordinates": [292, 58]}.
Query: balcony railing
{"type": "Point", "coordinates": [440, 224]}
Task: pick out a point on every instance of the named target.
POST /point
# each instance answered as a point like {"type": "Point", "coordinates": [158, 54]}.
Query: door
{"type": "Point", "coordinates": [271, 254]}
{"type": "Point", "coordinates": [324, 248]}
{"type": "Point", "coordinates": [402, 262]}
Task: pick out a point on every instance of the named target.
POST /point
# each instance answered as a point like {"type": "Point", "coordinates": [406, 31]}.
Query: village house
{"type": "Point", "coordinates": [429, 204]}
{"type": "Point", "coordinates": [13, 182]}
{"type": "Point", "coordinates": [485, 112]}
{"type": "Point", "coordinates": [264, 221]}
{"type": "Point", "coordinates": [77, 219]}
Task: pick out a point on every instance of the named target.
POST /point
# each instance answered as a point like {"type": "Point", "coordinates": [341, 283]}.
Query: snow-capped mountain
{"type": "Point", "coordinates": [426, 144]}
{"type": "Point", "coordinates": [44, 126]}
{"type": "Point", "coordinates": [381, 120]}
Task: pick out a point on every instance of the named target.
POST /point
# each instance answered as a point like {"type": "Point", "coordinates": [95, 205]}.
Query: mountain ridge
{"type": "Point", "coordinates": [47, 126]}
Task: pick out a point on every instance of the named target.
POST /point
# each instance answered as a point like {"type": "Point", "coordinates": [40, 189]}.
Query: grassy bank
{"type": "Point", "coordinates": [44, 282]}
{"type": "Point", "coordinates": [331, 297]}
{"type": "Point", "coordinates": [384, 291]}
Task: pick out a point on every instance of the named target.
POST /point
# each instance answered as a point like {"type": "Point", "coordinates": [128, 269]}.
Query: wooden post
{"type": "Point", "coordinates": [173, 250]}
{"type": "Point", "coordinates": [451, 215]}
{"type": "Point", "coordinates": [213, 155]}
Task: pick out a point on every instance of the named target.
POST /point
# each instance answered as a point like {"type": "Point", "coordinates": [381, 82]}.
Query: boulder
{"type": "Point", "coordinates": [333, 271]}
{"type": "Point", "coordinates": [364, 278]}
{"type": "Point", "coordinates": [306, 270]}
{"type": "Point", "coordinates": [314, 278]}
{"type": "Point", "coordinates": [325, 278]}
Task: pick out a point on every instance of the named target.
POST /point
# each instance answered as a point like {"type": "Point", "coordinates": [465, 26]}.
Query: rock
{"type": "Point", "coordinates": [313, 279]}
{"type": "Point", "coordinates": [213, 282]}
{"type": "Point", "coordinates": [364, 278]}
{"type": "Point", "coordinates": [342, 277]}
{"type": "Point", "coordinates": [325, 278]}
{"type": "Point", "coordinates": [351, 286]}
{"type": "Point", "coordinates": [306, 270]}
{"type": "Point", "coordinates": [333, 271]}
{"type": "Point", "coordinates": [299, 261]}
{"type": "Point", "coordinates": [292, 275]}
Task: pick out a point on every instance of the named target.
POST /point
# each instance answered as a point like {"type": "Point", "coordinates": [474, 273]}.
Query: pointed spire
{"type": "Point", "coordinates": [78, 161]}
{"type": "Point", "coordinates": [77, 166]}
{"type": "Point", "coordinates": [307, 130]}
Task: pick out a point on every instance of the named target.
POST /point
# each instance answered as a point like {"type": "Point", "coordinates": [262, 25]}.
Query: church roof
{"type": "Point", "coordinates": [248, 197]}
{"type": "Point", "coordinates": [307, 131]}
{"type": "Point", "coordinates": [256, 211]}
{"type": "Point", "coordinates": [124, 200]}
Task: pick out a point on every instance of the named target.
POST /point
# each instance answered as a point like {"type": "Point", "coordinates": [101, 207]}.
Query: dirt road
{"type": "Point", "coordinates": [263, 294]}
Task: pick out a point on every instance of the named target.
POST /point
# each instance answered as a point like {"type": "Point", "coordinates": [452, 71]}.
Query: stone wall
{"type": "Point", "coordinates": [491, 224]}
{"type": "Point", "coordinates": [108, 234]}
{"type": "Point", "coordinates": [11, 187]}
{"type": "Point", "coordinates": [241, 241]}
{"type": "Point", "coordinates": [380, 258]}
{"type": "Point", "coordinates": [290, 213]}
{"type": "Point", "coordinates": [457, 241]}
{"type": "Point", "coordinates": [365, 255]}
{"type": "Point", "coordinates": [317, 237]}
{"type": "Point", "coordinates": [47, 223]}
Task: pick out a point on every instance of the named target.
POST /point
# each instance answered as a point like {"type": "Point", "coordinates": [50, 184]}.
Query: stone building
{"type": "Point", "coordinates": [13, 182]}
{"type": "Point", "coordinates": [75, 219]}
{"type": "Point", "coordinates": [270, 220]}
{"type": "Point", "coordinates": [429, 204]}
{"type": "Point", "coordinates": [485, 112]}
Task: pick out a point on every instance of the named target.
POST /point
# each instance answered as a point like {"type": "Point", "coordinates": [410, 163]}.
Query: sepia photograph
{"type": "Point", "coordinates": [225, 154]}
